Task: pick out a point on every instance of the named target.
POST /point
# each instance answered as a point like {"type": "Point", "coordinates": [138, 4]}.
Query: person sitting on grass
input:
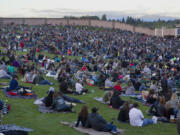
{"type": "Point", "coordinates": [108, 84]}
{"type": "Point", "coordinates": [48, 100]}
{"type": "Point", "coordinates": [97, 122]}
{"type": "Point", "coordinates": [123, 115]}
{"type": "Point", "coordinates": [130, 88]}
{"type": "Point", "coordinates": [107, 96]}
{"type": "Point", "coordinates": [82, 116]}
{"type": "Point", "coordinates": [151, 98]}
{"type": "Point", "coordinates": [63, 87]}
{"type": "Point", "coordinates": [79, 88]}
{"type": "Point", "coordinates": [116, 102]}
{"type": "Point", "coordinates": [4, 74]}
{"type": "Point", "coordinates": [11, 69]}
{"type": "Point", "coordinates": [136, 117]}
{"type": "Point", "coordinates": [29, 77]}
{"type": "Point", "coordinates": [118, 87]}
{"type": "Point", "coordinates": [14, 86]}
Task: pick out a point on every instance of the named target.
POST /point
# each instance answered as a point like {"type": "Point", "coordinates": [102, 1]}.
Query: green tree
{"type": "Point", "coordinates": [104, 17]}
{"type": "Point", "coordinates": [123, 20]}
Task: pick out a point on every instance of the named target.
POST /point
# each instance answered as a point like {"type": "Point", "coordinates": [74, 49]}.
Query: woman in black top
{"type": "Point", "coordinates": [64, 87]}
{"type": "Point", "coordinates": [116, 101]}
{"type": "Point", "coordinates": [82, 116]}
{"type": "Point", "coordinates": [123, 115]}
{"type": "Point", "coordinates": [151, 98]}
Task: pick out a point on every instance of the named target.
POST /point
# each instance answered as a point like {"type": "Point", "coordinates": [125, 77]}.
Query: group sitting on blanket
{"type": "Point", "coordinates": [16, 89]}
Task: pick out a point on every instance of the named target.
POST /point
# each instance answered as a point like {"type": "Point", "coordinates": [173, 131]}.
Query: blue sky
{"type": "Point", "coordinates": [113, 8]}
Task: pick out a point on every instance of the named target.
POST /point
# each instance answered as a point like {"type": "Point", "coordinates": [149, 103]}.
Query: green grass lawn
{"type": "Point", "coordinates": [25, 113]}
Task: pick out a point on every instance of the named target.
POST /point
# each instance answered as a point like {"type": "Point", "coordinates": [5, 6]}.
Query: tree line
{"type": "Point", "coordinates": [134, 21]}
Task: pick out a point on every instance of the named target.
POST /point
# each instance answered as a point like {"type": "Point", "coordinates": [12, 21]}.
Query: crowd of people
{"type": "Point", "coordinates": [118, 62]}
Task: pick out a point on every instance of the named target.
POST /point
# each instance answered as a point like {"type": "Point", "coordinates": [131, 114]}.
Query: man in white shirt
{"type": "Point", "coordinates": [79, 88]}
{"type": "Point", "coordinates": [136, 117]}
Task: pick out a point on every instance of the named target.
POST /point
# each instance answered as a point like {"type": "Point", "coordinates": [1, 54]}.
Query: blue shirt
{"type": "Point", "coordinates": [13, 84]}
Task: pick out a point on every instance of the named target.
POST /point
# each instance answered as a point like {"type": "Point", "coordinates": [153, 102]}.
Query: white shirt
{"type": "Point", "coordinates": [160, 58]}
{"type": "Point", "coordinates": [172, 61]}
{"type": "Point", "coordinates": [3, 73]}
{"type": "Point", "coordinates": [79, 88]}
{"type": "Point", "coordinates": [136, 117]}
{"type": "Point", "coordinates": [108, 83]}
{"type": "Point", "coordinates": [147, 70]}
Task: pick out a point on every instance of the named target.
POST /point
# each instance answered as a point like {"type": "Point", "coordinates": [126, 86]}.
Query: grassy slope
{"type": "Point", "coordinates": [25, 113]}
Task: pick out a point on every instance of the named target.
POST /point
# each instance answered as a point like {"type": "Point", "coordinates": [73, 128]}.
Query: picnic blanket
{"type": "Point", "coordinates": [131, 95]}
{"type": "Point", "coordinates": [99, 99]}
{"type": "Point", "coordinates": [14, 130]}
{"type": "Point", "coordinates": [4, 83]}
{"type": "Point", "coordinates": [51, 74]}
{"type": "Point", "coordinates": [39, 101]}
{"type": "Point", "coordinates": [34, 96]}
{"type": "Point", "coordinates": [43, 109]}
{"type": "Point", "coordinates": [141, 100]}
{"type": "Point", "coordinates": [138, 97]}
{"type": "Point", "coordinates": [89, 131]}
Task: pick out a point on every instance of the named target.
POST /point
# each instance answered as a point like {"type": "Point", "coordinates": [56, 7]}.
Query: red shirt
{"type": "Point", "coordinates": [21, 44]}
{"type": "Point", "coordinates": [117, 87]}
{"type": "Point", "coordinates": [37, 50]}
{"type": "Point", "coordinates": [84, 68]}
{"type": "Point", "coordinates": [69, 52]}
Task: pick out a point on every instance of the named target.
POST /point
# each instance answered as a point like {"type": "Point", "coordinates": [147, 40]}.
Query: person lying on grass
{"type": "Point", "coordinates": [60, 105]}
{"type": "Point", "coordinates": [38, 79]}
{"type": "Point", "coordinates": [48, 100]}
